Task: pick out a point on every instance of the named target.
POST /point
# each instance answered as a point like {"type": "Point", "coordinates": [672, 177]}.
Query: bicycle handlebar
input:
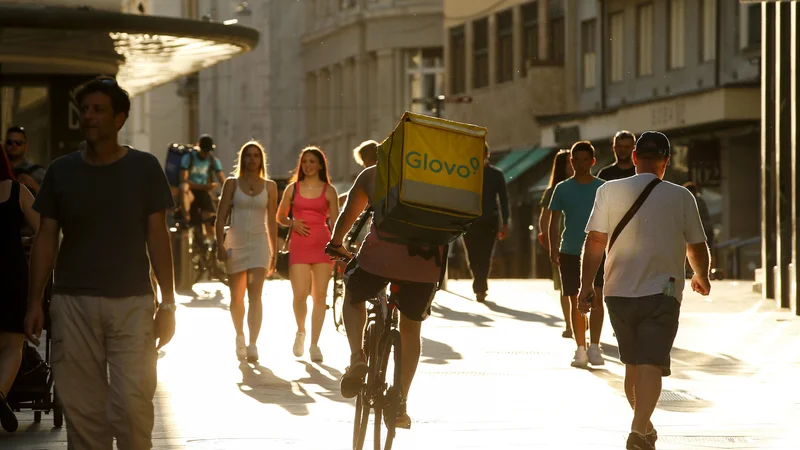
{"type": "Point", "coordinates": [335, 252]}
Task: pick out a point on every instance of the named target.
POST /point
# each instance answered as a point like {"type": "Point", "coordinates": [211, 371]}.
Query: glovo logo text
{"type": "Point", "coordinates": [417, 160]}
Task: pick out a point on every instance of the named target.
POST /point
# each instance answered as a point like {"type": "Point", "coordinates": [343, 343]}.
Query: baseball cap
{"type": "Point", "coordinates": [653, 143]}
{"type": "Point", "coordinates": [205, 143]}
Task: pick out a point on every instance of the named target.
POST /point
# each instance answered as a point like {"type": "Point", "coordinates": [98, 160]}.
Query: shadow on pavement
{"type": "Point", "coordinates": [547, 319]}
{"type": "Point", "coordinates": [206, 299]}
{"type": "Point", "coordinates": [439, 353]}
{"type": "Point", "coordinates": [327, 380]}
{"type": "Point", "coordinates": [451, 314]}
{"type": "Point", "coordinates": [264, 386]}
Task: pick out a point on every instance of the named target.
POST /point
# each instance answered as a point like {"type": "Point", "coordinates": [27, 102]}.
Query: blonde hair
{"type": "Point", "coordinates": [361, 151]}
{"type": "Point", "coordinates": [263, 170]}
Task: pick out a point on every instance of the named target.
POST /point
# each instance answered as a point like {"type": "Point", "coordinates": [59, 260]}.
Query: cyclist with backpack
{"type": "Point", "coordinates": [198, 169]}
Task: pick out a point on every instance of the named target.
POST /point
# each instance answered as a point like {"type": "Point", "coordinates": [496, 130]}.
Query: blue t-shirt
{"type": "Point", "coordinates": [575, 201]}
{"type": "Point", "coordinates": [199, 171]}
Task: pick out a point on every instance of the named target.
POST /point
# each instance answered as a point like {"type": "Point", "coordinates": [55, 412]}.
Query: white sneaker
{"type": "Point", "coordinates": [581, 360]}
{"type": "Point", "coordinates": [315, 353]}
{"type": "Point", "coordinates": [299, 343]}
{"type": "Point", "coordinates": [241, 347]}
{"type": "Point", "coordinates": [252, 353]}
{"type": "Point", "coordinates": [596, 355]}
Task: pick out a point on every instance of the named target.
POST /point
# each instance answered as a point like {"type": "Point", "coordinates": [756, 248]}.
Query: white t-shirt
{"type": "Point", "coordinates": [652, 247]}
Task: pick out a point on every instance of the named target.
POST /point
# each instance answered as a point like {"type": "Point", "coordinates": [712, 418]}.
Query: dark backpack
{"type": "Point", "coordinates": [172, 165]}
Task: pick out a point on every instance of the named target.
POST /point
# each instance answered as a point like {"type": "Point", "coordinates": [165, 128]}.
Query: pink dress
{"type": "Point", "coordinates": [314, 211]}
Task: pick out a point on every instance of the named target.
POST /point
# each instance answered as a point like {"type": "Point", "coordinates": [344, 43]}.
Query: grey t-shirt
{"type": "Point", "coordinates": [102, 212]}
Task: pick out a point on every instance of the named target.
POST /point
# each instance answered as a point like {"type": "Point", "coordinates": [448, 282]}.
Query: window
{"type": "Point", "coordinates": [644, 43]}
{"type": "Point", "coordinates": [481, 53]}
{"type": "Point", "coordinates": [589, 50]}
{"type": "Point", "coordinates": [458, 60]}
{"type": "Point", "coordinates": [708, 30]}
{"type": "Point", "coordinates": [556, 44]}
{"type": "Point", "coordinates": [505, 47]}
{"type": "Point", "coordinates": [530, 35]}
{"type": "Point", "coordinates": [677, 34]}
{"type": "Point", "coordinates": [425, 79]}
{"type": "Point", "coordinates": [749, 26]}
{"type": "Point", "coordinates": [616, 25]}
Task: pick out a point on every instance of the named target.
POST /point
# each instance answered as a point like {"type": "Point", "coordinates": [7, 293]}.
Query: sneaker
{"type": "Point", "coordinates": [241, 348]}
{"type": "Point", "coordinates": [299, 344]}
{"type": "Point", "coordinates": [252, 353]}
{"type": "Point", "coordinates": [403, 419]}
{"type": "Point", "coordinates": [567, 334]}
{"type": "Point", "coordinates": [652, 437]}
{"type": "Point", "coordinates": [581, 359]}
{"type": "Point", "coordinates": [315, 353]}
{"type": "Point", "coordinates": [353, 379]}
{"type": "Point", "coordinates": [638, 442]}
{"type": "Point", "coordinates": [596, 355]}
{"type": "Point", "coordinates": [7, 418]}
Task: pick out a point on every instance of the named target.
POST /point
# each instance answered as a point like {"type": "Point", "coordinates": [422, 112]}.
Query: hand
{"type": "Point", "coordinates": [299, 226]}
{"type": "Point", "coordinates": [164, 327]}
{"type": "Point", "coordinates": [338, 252]}
{"type": "Point", "coordinates": [585, 306]}
{"type": "Point", "coordinates": [222, 254]}
{"type": "Point", "coordinates": [701, 284]}
{"type": "Point", "coordinates": [503, 233]}
{"type": "Point", "coordinates": [554, 257]}
{"type": "Point", "coordinates": [272, 263]}
{"type": "Point", "coordinates": [211, 186]}
{"type": "Point", "coordinates": [34, 322]}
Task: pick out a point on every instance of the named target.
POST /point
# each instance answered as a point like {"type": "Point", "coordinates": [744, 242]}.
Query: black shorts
{"type": "Point", "coordinates": [202, 203]}
{"type": "Point", "coordinates": [645, 328]}
{"type": "Point", "coordinates": [413, 299]}
{"type": "Point", "coordinates": [570, 270]}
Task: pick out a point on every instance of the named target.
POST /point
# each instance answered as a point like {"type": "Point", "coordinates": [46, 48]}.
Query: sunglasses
{"type": "Point", "coordinates": [14, 142]}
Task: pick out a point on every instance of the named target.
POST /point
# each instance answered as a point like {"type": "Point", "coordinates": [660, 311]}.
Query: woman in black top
{"type": "Point", "coordinates": [16, 207]}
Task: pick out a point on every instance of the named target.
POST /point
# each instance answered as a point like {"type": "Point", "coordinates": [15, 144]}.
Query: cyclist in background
{"type": "Point", "coordinates": [198, 169]}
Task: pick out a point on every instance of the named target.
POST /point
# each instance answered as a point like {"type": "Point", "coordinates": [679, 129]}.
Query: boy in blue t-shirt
{"type": "Point", "coordinates": [197, 180]}
{"type": "Point", "coordinates": [574, 197]}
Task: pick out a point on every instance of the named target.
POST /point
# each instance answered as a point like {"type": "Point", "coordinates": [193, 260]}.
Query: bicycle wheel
{"type": "Point", "coordinates": [338, 300]}
{"type": "Point", "coordinates": [387, 400]}
{"type": "Point", "coordinates": [361, 420]}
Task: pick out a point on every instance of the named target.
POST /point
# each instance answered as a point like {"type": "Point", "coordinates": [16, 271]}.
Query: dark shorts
{"type": "Point", "coordinates": [645, 328]}
{"type": "Point", "coordinates": [570, 271]}
{"type": "Point", "coordinates": [202, 203]}
{"type": "Point", "coordinates": [413, 299]}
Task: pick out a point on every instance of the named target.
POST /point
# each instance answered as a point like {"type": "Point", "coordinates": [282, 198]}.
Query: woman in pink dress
{"type": "Point", "coordinates": [314, 207]}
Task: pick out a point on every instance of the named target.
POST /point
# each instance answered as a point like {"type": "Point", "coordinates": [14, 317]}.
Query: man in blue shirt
{"type": "Point", "coordinates": [574, 197]}
{"type": "Point", "coordinates": [198, 168]}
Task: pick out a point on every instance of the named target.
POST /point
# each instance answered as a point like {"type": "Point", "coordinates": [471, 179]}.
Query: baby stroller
{"type": "Point", "coordinates": [33, 388]}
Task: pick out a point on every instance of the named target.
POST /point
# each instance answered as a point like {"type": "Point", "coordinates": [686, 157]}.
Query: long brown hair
{"type": "Point", "coordinates": [559, 172]}
{"type": "Point", "coordinates": [323, 171]}
{"type": "Point", "coordinates": [6, 173]}
{"type": "Point", "coordinates": [262, 170]}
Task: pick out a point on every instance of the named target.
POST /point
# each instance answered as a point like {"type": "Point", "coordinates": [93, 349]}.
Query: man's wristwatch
{"type": "Point", "coordinates": [167, 307]}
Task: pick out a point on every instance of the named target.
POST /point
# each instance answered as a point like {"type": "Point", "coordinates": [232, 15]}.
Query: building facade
{"type": "Point", "coordinates": [688, 68]}
{"type": "Point", "coordinates": [366, 62]}
{"type": "Point", "coordinates": [780, 163]}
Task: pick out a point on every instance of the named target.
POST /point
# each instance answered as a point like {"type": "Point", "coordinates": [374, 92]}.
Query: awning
{"type": "Point", "coordinates": [148, 50]}
{"type": "Point", "coordinates": [517, 162]}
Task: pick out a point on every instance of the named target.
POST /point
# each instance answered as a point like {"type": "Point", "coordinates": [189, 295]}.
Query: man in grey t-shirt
{"type": "Point", "coordinates": [110, 202]}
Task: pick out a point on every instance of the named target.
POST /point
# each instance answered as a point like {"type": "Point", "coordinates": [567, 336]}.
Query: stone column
{"type": "Point", "coordinates": [384, 103]}
{"type": "Point", "coordinates": [519, 61]}
{"type": "Point", "coordinates": [794, 104]}
{"type": "Point", "coordinates": [492, 42]}
{"type": "Point", "coordinates": [469, 56]}
{"type": "Point", "coordinates": [768, 65]}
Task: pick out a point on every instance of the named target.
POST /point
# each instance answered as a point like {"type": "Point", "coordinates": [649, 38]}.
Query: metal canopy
{"type": "Point", "coordinates": [150, 50]}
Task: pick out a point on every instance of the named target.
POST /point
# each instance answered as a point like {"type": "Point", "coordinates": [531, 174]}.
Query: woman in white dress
{"type": "Point", "coordinates": [249, 199]}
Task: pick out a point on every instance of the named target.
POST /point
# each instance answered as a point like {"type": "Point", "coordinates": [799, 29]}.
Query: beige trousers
{"type": "Point", "coordinates": [104, 363]}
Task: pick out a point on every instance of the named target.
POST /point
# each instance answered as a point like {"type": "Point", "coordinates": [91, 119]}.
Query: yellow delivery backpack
{"type": "Point", "coordinates": [429, 183]}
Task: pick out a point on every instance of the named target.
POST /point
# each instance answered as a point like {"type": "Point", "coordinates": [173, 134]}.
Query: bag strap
{"type": "Point", "coordinates": [291, 207]}
{"type": "Point", "coordinates": [632, 212]}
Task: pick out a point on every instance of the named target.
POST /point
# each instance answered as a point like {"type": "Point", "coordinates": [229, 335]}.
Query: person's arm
{"type": "Point", "coordinates": [696, 246]}
{"type": "Point", "coordinates": [223, 212]}
{"type": "Point", "coordinates": [553, 236]}
{"type": "Point", "coordinates": [544, 228]}
{"type": "Point", "coordinates": [29, 181]}
{"type": "Point", "coordinates": [282, 215]}
{"type": "Point", "coordinates": [26, 204]}
{"type": "Point", "coordinates": [159, 247]}
{"type": "Point", "coordinates": [503, 193]}
{"type": "Point", "coordinates": [594, 248]}
{"type": "Point", "coordinates": [272, 224]}
{"type": "Point", "coordinates": [43, 254]}
{"type": "Point", "coordinates": [333, 205]}
{"type": "Point", "coordinates": [357, 201]}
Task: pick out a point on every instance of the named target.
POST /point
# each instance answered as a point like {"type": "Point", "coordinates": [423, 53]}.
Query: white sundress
{"type": "Point", "coordinates": [246, 241]}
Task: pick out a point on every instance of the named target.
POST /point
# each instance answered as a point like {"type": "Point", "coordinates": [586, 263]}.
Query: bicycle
{"type": "Point", "coordinates": [352, 245]}
{"type": "Point", "coordinates": [381, 346]}
{"type": "Point", "coordinates": [204, 254]}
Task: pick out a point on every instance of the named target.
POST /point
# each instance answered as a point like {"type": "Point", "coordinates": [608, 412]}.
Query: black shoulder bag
{"type": "Point", "coordinates": [632, 212]}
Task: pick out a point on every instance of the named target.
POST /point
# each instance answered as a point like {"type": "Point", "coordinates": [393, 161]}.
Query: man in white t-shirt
{"type": "Point", "coordinates": [644, 273]}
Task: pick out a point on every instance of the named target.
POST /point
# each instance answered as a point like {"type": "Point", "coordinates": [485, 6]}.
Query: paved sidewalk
{"type": "Point", "coordinates": [493, 376]}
